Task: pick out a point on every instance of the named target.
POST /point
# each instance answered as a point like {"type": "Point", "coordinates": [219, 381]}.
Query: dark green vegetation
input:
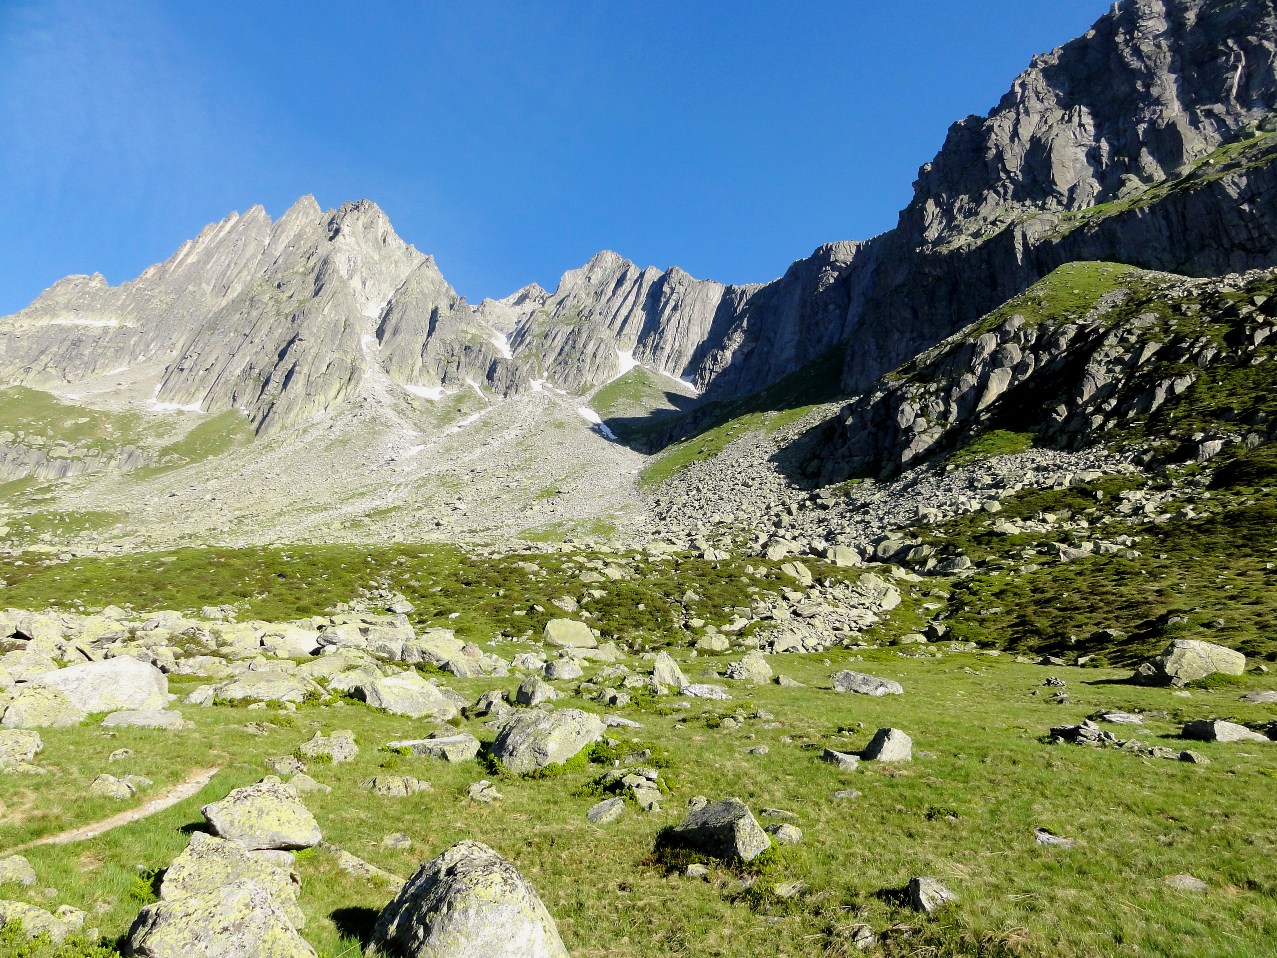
{"type": "Point", "coordinates": [964, 811]}
{"type": "Point", "coordinates": [214, 436]}
{"type": "Point", "coordinates": [777, 406]}
{"type": "Point", "coordinates": [487, 594]}
{"type": "Point", "coordinates": [1206, 575]}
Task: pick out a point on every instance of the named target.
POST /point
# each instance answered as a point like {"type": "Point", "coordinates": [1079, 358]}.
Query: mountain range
{"type": "Point", "coordinates": [1148, 141]}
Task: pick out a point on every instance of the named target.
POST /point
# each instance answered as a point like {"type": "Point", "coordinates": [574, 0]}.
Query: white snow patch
{"type": "Point", "coordinates": [543, 385]}
{"type": "Point", "coordinates": [433, 393]}
{"type": "Point", "coordinates": [593, 418]}
{"type": "Point", "coordinates": [502, 342]}
{"type": "Point", "coordinates": [413, 450]}
{"type": "Point", "coordinates": [369, 342]}
{"type": "Point", "coordinates": [116, 372]}
{"type": "Point", "coordinates": [625, 361]}
{"type": "Point", "coordinates": [172, 406]}
{"type": "Point", "coordinates": [78, 321]}
{"type": "Point", "coordinates": [463, 423]}
{"type": "Point", "coordinates": [475, 386]}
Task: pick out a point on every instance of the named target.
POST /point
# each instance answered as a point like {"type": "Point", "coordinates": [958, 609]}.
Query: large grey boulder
{"type": "Point", "coordinates": [269, 814]}
{"type": "Point", "coordinates": [533, 740]}
{"type": "Point", "coordinates": [407, 693]}
{"type": "Point", "coordinates": [268, 685]}
{"type": "Point", "coordinates": [1187, 660]}
{"type": "Point", "coordinates": [862, 684]}
{"type": "Point", "coordinates": [1219, 731]}
{"type": "Point", "coordinates": [753, 667]}
{"type": "Point", "coordinates": [569, 634]}
{"type": "Point", "coordinates": [467, 903]}
{"type": "Point", "coordinates": [241, 920]}
{"type": "Point", "coordinates": [210, 862]}
{"type": "Point", "coordinates": [110, 686]}
{"type": "Point", "coordinates": [726, 830]}
{"type": "Point", "coordinates": [665, 671]}
{"type": "Point", "coordinates": [889, 745]}
{"type": "Point", "coordinates": [37, 706]}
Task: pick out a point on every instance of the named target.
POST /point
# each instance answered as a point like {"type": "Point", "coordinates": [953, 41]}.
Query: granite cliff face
{"type": "Point", "coordinates": [1140, 142]}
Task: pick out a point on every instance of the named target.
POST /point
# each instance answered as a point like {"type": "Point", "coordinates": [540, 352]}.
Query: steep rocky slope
{"type": "Point", "coordinates": [1095, 352]}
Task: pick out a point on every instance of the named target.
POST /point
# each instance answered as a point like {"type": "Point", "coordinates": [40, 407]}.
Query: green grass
{"type": "Point", "coordinates": [36, 416]}
{"type": "Point", "coordinates": [998, 442]}
{"type": "Point", "coordinates": [979, 757]}
{"type": "Point", "coordinates": [489, 595]}
{"type": "Point", "coordinates": [213, 437]}
{"type": "Point", "coordinates": [774, 408]}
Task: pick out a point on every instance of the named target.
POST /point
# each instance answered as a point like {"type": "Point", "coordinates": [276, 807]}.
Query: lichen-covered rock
{"type": "Point", "coordinates": [407, 693]}
{"type": "Point", "coordinates": [450, 748]}
{"type": "Point", "coordinates": [534, 690]}
{"type": "Point", "coordinates": [266, 815]}
{"type": "Point", "coordinates": [268, 685]}
{"type": "Point", "coordinates": [569, 634]}
{"type": "Point", "coordinates": [1187, 660]}
{"type": "Point", "coordinates": [467, 903]}
{"type": "Point", "coordinates": [108, 786]}
{"type": "Point", "coordinates": [35, 921]}
{"type": "Point", "coordinates": [726, 830]}
{"type": "Point", "coordinates": [210, 862]}
{"type": "Point", "coordinates": [862, 684]}
{"type": "Point", "coordinates": [18, 746]}
{"type": "Point", "coordinates": [533, 740]}
{"type": "Point", "coordinates": [240, 920]}
{"type": "Point", "coordinates": [110, 686]}
{"type": "Point", "coordinates": [22, 665]}
{"type": "Point", "coordinates": [16, 870]}
{"type": "Point", "coordinates": [394, 786]}
{"type": "Point", "coordinates": [36, 706]}
{"type": "Point", "coordinates": [337, 748]}
{"type": "Point", "coordinates": [889, 745]}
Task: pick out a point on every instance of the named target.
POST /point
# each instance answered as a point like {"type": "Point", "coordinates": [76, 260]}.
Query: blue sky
{"type": "Point", "coordinates": [511, 140]}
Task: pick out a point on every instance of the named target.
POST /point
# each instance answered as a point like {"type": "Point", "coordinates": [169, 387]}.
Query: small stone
{"type": "Point", "coordinates": [785, 834]}
{"type": "Point", "coordinates": [845, 761]}
{"type": "Point", "coordinates": [606, 812]}
{"type": "Point", "coordinates": [1185, 882]}
{"type": "Point", "coordinates": [697, 870]}
{"type": "Point", "coordinates": [398, 841]}
{"type": "Point", "coordinates": [846, 793]}
{"type": "Point", "coordinates": [861, 937]}
{"type": "Point", "coordinates": [927, 894]}
{"type": "Point", "coordinates": [483, 791]}
{"type": "Point", "coordinates": [394, 786]}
